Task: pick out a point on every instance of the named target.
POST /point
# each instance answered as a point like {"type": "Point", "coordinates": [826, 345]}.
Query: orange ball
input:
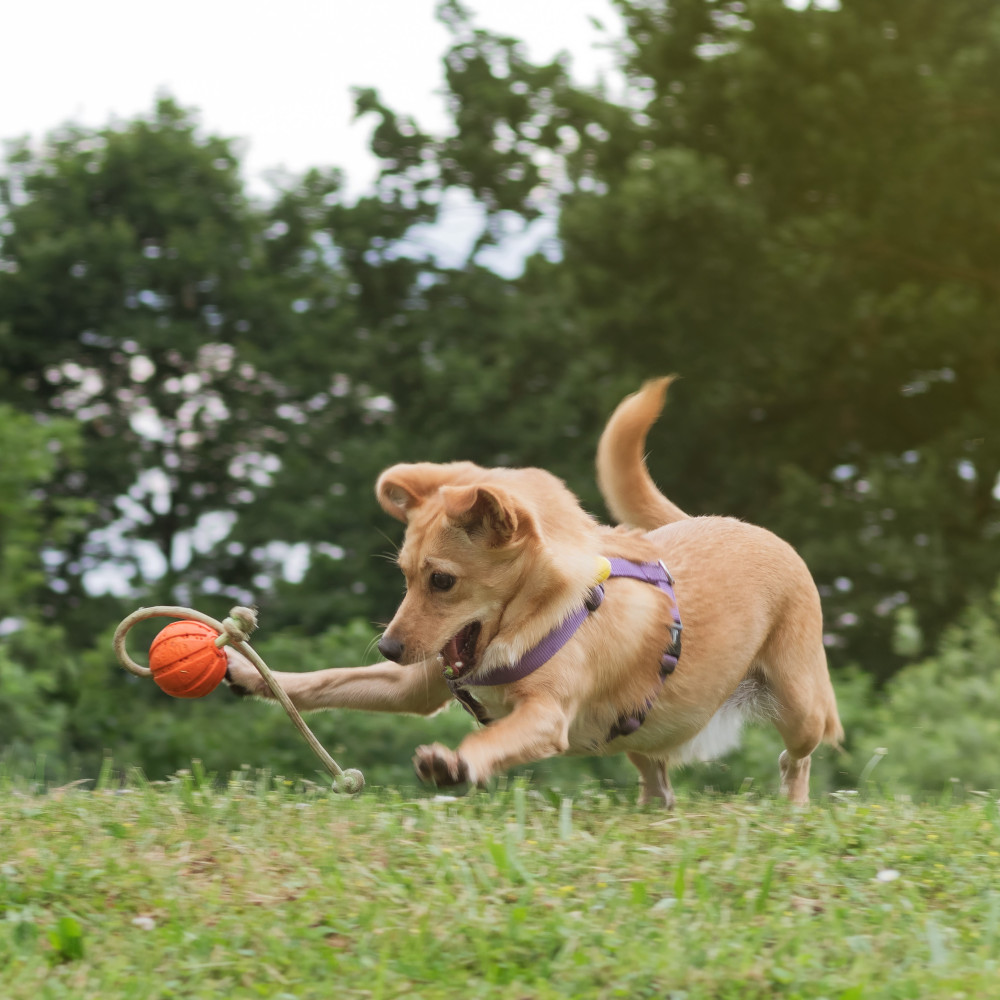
{"type": "Point", "coordinates": [184, 660]}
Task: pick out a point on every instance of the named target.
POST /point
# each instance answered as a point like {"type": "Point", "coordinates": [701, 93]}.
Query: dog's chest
{"type": "Point", "coordinates": [493, 702]}
{"type": "Point", "coordinates": [588, 732]}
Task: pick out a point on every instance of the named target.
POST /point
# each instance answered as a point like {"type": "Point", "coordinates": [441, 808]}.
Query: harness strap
{"type": "Point", "coordinates": [547, 648]}
{"type": "Point", "coordinates": [658, 575]}
{"type": "Point", "coordinates": [655, 573]}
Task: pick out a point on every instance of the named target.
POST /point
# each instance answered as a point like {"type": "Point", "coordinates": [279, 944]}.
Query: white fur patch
{"type": "Point", "coordinates": [749, 702]}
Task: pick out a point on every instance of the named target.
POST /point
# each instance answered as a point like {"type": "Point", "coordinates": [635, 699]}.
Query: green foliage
{"type": "Point", "coordinates": [34, 658]}
{"type": "Point", "coordinates": [31, 454]}
{"type": "Point", "coordinates": [265, 888]}
{"type": "Point", "coordinates": [66, 939]}
{"type": "Point", "coordinates": [146, 299]}
{"type": "Point", "coordinates": [939, 719]}
{"type": "Point", "coordinates": [785, 206]}
{"type": "Point", "coordinates": [34, 666]}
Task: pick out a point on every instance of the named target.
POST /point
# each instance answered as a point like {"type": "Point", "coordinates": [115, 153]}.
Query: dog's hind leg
{"type": "Point", "coordinates": [654, 781]}
{"type": "Point", "coordinates": [806, 715]}
{"type": "Point", "coordinates": [802, 724]}
{"type": "Point", "coordinates": [792, 664]}
{"type": "Point", "coordinates": [795, 777]}
{"type": "Point", "coordinates": [804, 721]}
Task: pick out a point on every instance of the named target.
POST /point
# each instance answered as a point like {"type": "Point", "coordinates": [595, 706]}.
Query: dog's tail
{"type": "Point", "coordinates": [833, 730]}
{"type": "Point", "coordinates": [628, 489]}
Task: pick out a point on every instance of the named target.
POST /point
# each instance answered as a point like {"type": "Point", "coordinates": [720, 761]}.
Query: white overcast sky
{"type": "Point", "coordinates": [277, 74]}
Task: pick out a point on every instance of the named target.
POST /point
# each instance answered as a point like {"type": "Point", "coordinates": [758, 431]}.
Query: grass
{"type": "Point", "coordinates": [272, 889]}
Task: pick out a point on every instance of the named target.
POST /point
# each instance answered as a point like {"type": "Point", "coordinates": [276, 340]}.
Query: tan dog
{"type": "Point", "coordinates": [496, 559]}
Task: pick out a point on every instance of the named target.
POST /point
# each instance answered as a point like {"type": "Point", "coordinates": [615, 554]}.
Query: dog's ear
{"type": "Point", "coordinates": [485, 512]}
{"type": "Point", "coordinates": [403, 487]}
{"type": "Point", "coordinates": [400, 489]}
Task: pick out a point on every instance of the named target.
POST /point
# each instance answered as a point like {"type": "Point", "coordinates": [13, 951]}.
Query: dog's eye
{"type": "Point", "coordinates": [442, 581]}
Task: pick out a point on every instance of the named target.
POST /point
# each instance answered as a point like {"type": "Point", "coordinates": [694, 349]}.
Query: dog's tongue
{"type": "Point", "coordinates": [451, 652]}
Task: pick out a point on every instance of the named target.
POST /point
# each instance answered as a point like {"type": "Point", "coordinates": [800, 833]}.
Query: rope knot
{"type": "Point", "coordinates": [238, 626]}
{"type": "Point", "coordinates": [350, 782]}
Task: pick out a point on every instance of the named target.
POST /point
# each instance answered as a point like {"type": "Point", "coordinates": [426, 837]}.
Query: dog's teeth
{"type": "Point", "coordinates": [459, 664]}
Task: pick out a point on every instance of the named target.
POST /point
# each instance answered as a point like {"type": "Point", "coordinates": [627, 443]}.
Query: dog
{"type": "Point", "coordinates": [657, 638]}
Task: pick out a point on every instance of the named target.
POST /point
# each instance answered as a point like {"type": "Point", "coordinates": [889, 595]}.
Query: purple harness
{"type": "Point", "coordinates": [654, 573]}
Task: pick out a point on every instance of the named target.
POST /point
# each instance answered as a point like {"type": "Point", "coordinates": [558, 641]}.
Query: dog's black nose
{"type": "Point", "coordinates": [391, 649]}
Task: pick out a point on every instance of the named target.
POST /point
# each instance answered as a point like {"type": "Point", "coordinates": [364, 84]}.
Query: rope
{"type": "Point", "coordinates": [235, 631]}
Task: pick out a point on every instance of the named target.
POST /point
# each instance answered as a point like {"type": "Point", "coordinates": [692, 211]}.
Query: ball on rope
{"type": "Point", "coordinates": [185, 661]}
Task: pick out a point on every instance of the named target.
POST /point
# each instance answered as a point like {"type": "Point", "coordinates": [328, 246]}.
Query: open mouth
{"type": "Point", "coordinates": [459, 653]}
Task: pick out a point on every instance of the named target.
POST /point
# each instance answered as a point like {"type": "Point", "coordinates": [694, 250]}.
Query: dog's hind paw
{"type": "Point", "coordinates": [438, 765]}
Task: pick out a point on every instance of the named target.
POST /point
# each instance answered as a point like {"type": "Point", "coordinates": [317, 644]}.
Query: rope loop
{"type": "Point", "coordinates": [235, 631]}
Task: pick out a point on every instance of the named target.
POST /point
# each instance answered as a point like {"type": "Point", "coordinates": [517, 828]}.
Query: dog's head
{"type": "Point", "coordinates": [469, 543]}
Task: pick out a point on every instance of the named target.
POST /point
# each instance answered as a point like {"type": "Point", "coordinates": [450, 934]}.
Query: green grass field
{"type": "Point", "coordinates": [268, 889]}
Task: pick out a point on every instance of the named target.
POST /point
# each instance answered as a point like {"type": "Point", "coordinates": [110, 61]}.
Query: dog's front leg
{"type": "Point", "coordinates": [417, 688]}
{"type": "Point", "coordinates": [534, 730]}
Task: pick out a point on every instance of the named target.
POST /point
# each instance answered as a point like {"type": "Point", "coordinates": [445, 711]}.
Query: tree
{"type": "Point", "coordinates": [787, 209]}
{"type": "Point", "coordinates": [786, 206]}
{"type": "Point", "coordinates": [149, 301]}
{"type": "Point", "coordinates": [32, 527]}
{"type": "Point", "coordinates": [241, 373]}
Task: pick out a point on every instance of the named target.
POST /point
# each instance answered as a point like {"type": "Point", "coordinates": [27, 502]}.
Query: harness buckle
{"type": "Point", "coordinates": [594, 598]}
{"type": "Point", "coordinates": [666, 572]}
{"type": "Point", "coordinates": [673, 651]}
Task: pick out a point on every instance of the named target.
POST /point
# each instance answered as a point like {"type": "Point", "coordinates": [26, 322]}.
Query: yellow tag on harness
{"type": "Point", "coordinates": [603, 569]}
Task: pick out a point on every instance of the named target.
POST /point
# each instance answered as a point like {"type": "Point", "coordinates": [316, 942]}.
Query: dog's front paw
{"type": "Point", "coordinates": [242, 676]}
{"type": "Point", "coordinates": [438, 765]}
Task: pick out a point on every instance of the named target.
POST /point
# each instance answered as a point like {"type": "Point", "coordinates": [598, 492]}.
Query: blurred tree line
{"type": "Point", "coordinates": [791, 208]}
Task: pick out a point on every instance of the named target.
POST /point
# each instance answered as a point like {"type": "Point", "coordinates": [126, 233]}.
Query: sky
{"type": "Point", "coordinates": [278, 75]}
